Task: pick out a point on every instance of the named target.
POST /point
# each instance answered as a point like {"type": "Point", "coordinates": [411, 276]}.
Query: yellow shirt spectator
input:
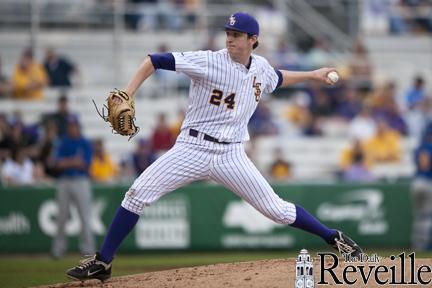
{"type": "Point", "coordinates": [103, 169]}
{"type": "Point", "coordinates": [280, 171]}
{"type": "Point", "coordinates": [29, 78]}
{"type": "Point", "coordinates": [348, 154]}
{"type": "Point", "coordinates": [298, 112]}
{"type": "Point", "coordinates": [384, 146]}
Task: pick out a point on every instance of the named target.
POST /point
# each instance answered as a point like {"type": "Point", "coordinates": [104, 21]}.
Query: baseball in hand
{"type": "Point", "coordinates": [333, 76]}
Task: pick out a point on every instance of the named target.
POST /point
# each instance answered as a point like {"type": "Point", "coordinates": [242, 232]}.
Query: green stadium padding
{"type": "Point", "coordinates": [209, 217]}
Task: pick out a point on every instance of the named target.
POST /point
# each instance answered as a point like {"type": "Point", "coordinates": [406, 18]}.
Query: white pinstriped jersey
{"type": "Point", "coordinates": [223, 94]}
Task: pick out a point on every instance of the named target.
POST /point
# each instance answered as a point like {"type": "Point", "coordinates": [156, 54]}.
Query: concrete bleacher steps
{"type": "Point", "coordinates": [400, 58]}
{"type": "Point", "coordinates": [94, 52]}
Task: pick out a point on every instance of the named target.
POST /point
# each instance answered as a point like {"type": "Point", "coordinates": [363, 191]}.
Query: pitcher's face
{"type": "Point", "coordinates": [238, 43]}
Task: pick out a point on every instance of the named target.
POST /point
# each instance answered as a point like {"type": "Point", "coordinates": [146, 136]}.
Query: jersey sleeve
{"type": "Point", "coordinates": [272, 78]}
{"type": "Point", "coordinates": [194, 64]}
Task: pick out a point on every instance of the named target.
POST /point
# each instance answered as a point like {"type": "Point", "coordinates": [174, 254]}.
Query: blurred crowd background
{"type": "Point", "coordinates": [56, 56]}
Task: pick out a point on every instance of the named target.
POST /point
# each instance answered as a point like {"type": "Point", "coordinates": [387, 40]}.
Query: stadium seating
{"type": "Point", "coordinates": [312, 158]}
{"type": "Point", "coordinates": [101, 71]}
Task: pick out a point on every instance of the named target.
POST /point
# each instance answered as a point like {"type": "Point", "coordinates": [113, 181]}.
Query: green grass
{"type": "Point", "coordinates": [33, 270]}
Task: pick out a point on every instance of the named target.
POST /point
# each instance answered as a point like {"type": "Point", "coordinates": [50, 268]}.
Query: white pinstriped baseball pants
{"type": "Point", "coordinates": [193, 159]}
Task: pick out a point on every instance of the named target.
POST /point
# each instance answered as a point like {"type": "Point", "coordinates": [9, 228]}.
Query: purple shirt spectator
{"type": "Point", "coordinates": [351, 104]}
{"type": "Point", "coordinates": [357, 173]}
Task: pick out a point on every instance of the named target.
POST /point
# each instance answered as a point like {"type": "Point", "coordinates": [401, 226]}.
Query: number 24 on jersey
{"type": "Point", "coordinates": [216, 99]}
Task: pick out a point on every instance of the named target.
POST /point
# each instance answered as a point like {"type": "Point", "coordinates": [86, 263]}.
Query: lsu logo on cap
{"type": "Point", "coordinates": [232, 20]}
{"type": "Point", "coordinates": [242, 22]}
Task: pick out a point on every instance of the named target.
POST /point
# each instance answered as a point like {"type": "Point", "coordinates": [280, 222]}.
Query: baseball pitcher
{"type": "Point", "coordinates": [226, 87]}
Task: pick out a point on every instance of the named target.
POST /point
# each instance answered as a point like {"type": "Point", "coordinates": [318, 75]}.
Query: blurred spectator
{"type": "Point", "coordinates": [61, 116]}
{"type": "Point", "coordinates": [170, 13]}
{"type": "Point", "coordinates": [150, 15]}
{"type": "Point", "coordinates": [415, 94]}
{"type": "Point", "coordinates": [298, 112]}
{"type": "Point", "coordinates": [59, 69]}
{"type": "Point", "coordinates": [46, 148]}
{"type": "Point", "coordinates": [5, 85]}
{"type": "Point", "coordinates": [162, 139]}
{"type": "Point", "coordinates": [418, 117]}
{"type": "Point", "coordinates": [73, 158]}
{"type": "Point", "coordinates": [192, 9]}
{"type": "Point", "coordinates": [348, 154]}
{"type": "Point", "coordinates": [421, 191]}
{"type": "Point", "coordinates": [14, 134]}
{"type": "Point", "coordinates": [386, 107]}
{"type": "Point", "coordinates": [398, 25]}
{"type": "Point", "coordinates": [284, 57]}
{"type": "Point", "coordinates": [351, 104]}
{"type": "Point", "coordinates": [16, 137]}
{"type": "Point", "coordinates": [322, 105]}
{"type": "Point", "coordinates": [363, 126]}
{"type": "Point", "coordinates": [262, 122]}
{"type": "Point", "coordinates": [141, 14]}
{"type": "Point", "coordinates": [4, 130]}
{"type": "Point", "coordinates": [102, 168]}
{"type": "Point", "coordinates": [18, 169]}
{"type": "Point", "coordinates": [319, 55]}
{"type": "Point", "coordinates": [374, 16]}
{"type": "Point", "coordinates": [360, 67]}
{"type": "Point", "coordinates": [29, 132]}
{"type": "Point", "coordinates": [313, 127]}
{"type": "Point", "coordinates": [143, 156]}
{"type": "Point", "coordinates": [384, 146]}
{"type": "Point", "coordinates": [176, 126]}
{"type": "Point", "coordinates": [419, 15]}
{"type": "Point", "coordinates": [357, 171]}
{"type": "Point", "coordinates": [29, 78]}
{"type": "Point", "coordinates": [273, 22]}
{"type": "Point", "coordinates": [280, 168]}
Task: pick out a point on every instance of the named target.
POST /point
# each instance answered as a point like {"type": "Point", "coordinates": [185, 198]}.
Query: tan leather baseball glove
{"type": "Point", "coordinates": [121, 113]}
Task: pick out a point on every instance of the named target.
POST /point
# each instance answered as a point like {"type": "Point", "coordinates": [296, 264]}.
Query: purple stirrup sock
{"type": "Point", "coordinates": [309, 223]}
{"type": "Point", "coordinates": [123, 223]}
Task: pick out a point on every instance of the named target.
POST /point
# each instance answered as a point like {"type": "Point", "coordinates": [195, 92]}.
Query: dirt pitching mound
{"type": "Point", "coordinates": [256, 274]}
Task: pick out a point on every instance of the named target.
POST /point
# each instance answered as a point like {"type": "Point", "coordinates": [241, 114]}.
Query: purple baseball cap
{"type": "Point", "coordinates": [243, 22]}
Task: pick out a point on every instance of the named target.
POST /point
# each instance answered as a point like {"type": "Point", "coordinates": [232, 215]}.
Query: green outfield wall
{"type": "Point", "coordinates": [209, 217]}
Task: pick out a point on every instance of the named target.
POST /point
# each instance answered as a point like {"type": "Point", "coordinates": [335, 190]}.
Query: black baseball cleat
{"type": "Point", "coordinates": [90, 268]}
{"type": "Point", "coordinates": [345, 245]}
